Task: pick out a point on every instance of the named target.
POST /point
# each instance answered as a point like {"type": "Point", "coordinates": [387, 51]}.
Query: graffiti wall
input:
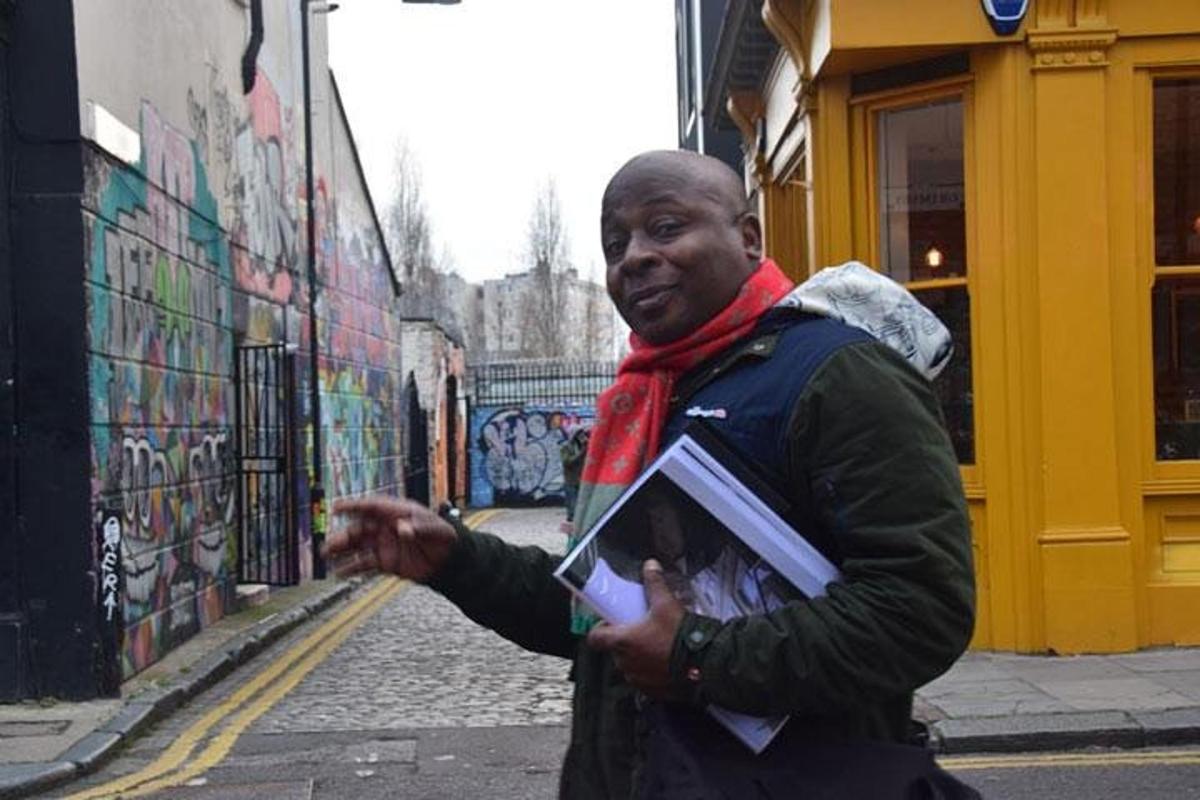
{"type": "Point", "coordinates": [360, 333]}
{"type": "Point", "coordinates": [198, 247]}
{"type": "Point", "coordinates": [159, 295]}
{"type": "Point", "coordinates": [514, 456]}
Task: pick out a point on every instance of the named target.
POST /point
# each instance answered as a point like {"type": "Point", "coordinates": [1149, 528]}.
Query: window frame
{"type": "Point", "coordinates": [1166, 475]}
{"type": "Point", "coordinates": [864, 110]}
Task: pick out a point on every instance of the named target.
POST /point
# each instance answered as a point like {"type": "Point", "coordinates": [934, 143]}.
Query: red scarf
{"type": "Point", "coordinates": [631, 413]}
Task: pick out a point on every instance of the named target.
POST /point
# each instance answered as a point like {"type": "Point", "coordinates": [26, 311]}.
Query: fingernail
{"type": "Point", "coordinates": [653, 565]}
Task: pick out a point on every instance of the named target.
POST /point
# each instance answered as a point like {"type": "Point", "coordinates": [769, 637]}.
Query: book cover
{"type": "Point", "coordinates": [725, 550]}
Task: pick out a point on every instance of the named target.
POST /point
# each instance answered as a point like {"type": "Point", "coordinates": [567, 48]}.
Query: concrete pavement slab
{"type": "Point", "coordinates": [61, 725]}
{"type": "Point", "coordinates": [1160, 660]}
{"type": "Point", "coordinates": [1127, 694]}
{"type": "Point", "coordinates": [1185, 683]}
{"type": "Point", "coordinates": [993, 698]}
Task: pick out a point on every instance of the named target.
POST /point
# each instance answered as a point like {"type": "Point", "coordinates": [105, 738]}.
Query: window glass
{"type": "Point", "coordinates": [922, 216]}
{"type": "Point", "coordinates": [1177, 172]}
{"type": "Point", "coordinates": [952, 306]}
{"type": "Point", "coordinates": [1175, 313]}
{"type": "Point", "coordinates": [920, 196]}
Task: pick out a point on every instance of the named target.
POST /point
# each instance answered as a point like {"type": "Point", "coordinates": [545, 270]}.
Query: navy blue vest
{"type": "Point", "coordinates": [750, 402]}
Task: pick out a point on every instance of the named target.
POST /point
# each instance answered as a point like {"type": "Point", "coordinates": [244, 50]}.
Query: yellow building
{"type": "Point", "coordinates": [1041, 192]}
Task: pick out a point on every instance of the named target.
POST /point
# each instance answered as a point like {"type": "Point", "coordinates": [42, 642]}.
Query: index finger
{"type": "Point", "coordinates": [374, 505]}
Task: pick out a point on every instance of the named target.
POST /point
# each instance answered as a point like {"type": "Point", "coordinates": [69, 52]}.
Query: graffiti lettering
{"type": "Point", "coordinates": [520, 450]}
{"type": "Point", "coordinates": [266, 232]}
{"type": "Point", "coordinates": [110, 547]}
{"type": "Point", "coordinates": [169, 164]}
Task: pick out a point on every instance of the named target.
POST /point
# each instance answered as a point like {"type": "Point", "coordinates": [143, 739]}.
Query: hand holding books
{"type": "Point", "coordinates": [642, 648]}
{"type": "Point", "coordinates": [725, 552]}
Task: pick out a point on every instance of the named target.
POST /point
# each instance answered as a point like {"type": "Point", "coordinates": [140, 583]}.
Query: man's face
{"type": "Point", "coordinates": [676, 249]}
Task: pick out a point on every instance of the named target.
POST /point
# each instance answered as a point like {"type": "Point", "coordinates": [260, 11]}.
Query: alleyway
{"type": "Point", "coordinates": [416, 702]}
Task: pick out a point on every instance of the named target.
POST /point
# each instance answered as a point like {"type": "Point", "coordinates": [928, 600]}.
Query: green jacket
{"type": "Point", "coordinates": [867, 438]}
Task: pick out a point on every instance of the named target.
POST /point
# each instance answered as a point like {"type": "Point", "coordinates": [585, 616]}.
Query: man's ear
{"type": "Point", "coordinates": [752, 238]}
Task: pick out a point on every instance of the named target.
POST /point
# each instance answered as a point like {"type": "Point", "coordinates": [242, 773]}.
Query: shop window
{"type": "Point", "coordinates": [922, 243]}
{"type": "Point", "coordinates": [1175, 298]}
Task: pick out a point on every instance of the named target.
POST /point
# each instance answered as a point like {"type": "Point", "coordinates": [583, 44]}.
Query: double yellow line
{"type": "Point", "coordinates": [1123, 758]}
{"type": "Point", "coordinates": [176, 765]}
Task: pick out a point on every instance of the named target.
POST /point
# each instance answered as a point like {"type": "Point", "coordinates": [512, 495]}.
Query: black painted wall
{"type": "Point", "coordinates": [52, 542]}
{"type": "Point", "coordinates": [11, 627]}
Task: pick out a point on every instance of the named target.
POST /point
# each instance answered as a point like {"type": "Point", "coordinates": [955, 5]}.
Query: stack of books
{"type": "Point", "coordinates": [717, 530]}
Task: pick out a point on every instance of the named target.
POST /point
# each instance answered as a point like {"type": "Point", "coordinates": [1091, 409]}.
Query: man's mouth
{"type": "Point", "coordinates": [650, 298]}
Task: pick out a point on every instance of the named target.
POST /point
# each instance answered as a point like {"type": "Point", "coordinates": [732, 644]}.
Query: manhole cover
{"type": "Point", "coordinates": [51, 727]}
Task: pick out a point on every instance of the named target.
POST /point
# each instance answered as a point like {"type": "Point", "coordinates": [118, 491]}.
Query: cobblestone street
{"type": "Point", "coordinates": [419, 663]}
{"type": "Point", "coordinates": [418, 702]}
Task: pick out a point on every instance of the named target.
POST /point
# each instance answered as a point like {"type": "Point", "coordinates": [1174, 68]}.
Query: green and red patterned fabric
{"type": "Point", "coordinates": [631, 413]}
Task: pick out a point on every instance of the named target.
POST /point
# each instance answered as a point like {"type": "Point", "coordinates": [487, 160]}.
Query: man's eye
{"type": "Point", "coordinates": [614, 247]}
{"type": "Point", "coordinates": [666, 227]}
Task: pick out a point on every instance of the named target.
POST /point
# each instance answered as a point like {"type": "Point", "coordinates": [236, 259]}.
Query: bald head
{"type": "Point", "coordinates": [677, 170]}
{"type": "Point", "coordinates": [679, 241]}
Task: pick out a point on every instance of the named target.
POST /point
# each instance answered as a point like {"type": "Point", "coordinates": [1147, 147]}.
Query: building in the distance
{"type": "Point", "coordinates": [518, 323]}
{"type": "Point", "coordinates": [1035, 180]}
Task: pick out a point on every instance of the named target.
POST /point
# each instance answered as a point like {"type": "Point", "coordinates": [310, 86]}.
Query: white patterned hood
{"type": "Point", "coordinates": [863, 298]}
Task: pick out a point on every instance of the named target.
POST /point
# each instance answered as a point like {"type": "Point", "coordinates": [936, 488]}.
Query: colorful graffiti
{"type": "Point", "coordinates": [159, 294]}
{"type": "Point", "coordinates": [175, 277]}
{"type": "Point", "coordinates": [266, 194]}
{"type": "Point", "coordinates": [360, 403]}
{"type": "Point", "coordinates": [517, 452]}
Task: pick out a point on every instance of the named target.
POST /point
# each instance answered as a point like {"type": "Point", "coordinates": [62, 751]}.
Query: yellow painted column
{"type": "Point", "coordinates": [829, 157]}
{"type": "Point", "coordinates": [1086, 553]}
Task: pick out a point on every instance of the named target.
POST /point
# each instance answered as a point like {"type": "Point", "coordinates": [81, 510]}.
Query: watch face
{"type": "Point", "coordinates": [1005, 15]}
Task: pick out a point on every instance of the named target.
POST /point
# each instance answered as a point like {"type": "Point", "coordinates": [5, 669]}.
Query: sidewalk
{"type": "Point", "coordinates": [47, 743]}
{"type": "Point", "coordinates": [987, 702]}
{"type": "Point", "coordinates": [1003, 702]}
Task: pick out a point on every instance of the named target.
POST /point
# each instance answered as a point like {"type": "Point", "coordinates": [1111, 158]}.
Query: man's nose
{"type": "Point", "coordinates": [639, 253]}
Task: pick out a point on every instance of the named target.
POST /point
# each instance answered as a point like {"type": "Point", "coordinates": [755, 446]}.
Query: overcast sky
{"type": "Point", "coordinates": [494, 96]}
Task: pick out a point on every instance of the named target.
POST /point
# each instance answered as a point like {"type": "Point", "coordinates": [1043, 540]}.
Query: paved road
{"type": "Point", "coordinates": [417, 702]}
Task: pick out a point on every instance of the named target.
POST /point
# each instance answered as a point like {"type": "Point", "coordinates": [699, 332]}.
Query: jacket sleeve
{"type": "Point", "coordinates": [868, 441]}
{"type": "Point", "coordinates": [510, 589]}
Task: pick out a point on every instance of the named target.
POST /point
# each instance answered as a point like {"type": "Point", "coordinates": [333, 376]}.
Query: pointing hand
{"type": "Point", "coordinates": [388, 535]}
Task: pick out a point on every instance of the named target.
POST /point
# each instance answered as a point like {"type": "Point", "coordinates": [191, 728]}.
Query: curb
{"type": "Point", "coordinates": [1066, 731]}
{"type": "Point", "coordinates": [138, 713]}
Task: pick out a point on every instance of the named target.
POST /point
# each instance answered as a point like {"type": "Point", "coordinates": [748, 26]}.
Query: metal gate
{"type": "Point", "coordinates": [268, 541]}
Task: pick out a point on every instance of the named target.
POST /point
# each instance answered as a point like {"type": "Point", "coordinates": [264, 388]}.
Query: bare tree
{"type": "Point", "coordinates": [545, 312]}
{"type": "Point", "coordinates": [406, 223]}
{"type": "Point", "coordinates": [426, 277]}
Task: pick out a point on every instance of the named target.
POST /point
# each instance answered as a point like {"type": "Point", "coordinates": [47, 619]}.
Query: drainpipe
{"type": "Point", "coordinates": [316, 489]}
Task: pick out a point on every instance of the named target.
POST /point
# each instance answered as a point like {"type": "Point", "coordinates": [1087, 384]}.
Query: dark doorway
{"type": "Point", "coordinates": [268, 543]}
{"type": "Point", "coordinates": [416, 449]}
{"type": "Point", "coordinates": [452, 439]}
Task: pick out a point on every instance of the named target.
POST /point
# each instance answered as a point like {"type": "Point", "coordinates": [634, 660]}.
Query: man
{"type": "Point", "coordinates": [847, 430]}
{"type": "Point", "coordinates": [572, 453]}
